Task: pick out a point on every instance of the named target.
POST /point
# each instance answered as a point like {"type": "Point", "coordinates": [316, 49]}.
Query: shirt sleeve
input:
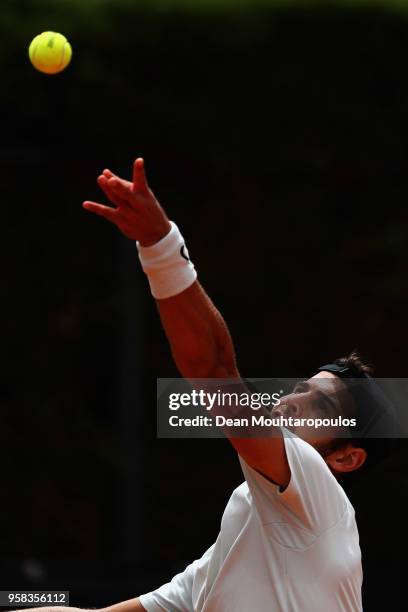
{"type": "Point", "coordinates": [182, 591]}
{"type": "Point", "coordinates": [313, 499]}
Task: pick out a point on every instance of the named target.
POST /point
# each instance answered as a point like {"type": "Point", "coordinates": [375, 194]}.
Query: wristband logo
{"type": "Point", "coordinates": [184, 253]}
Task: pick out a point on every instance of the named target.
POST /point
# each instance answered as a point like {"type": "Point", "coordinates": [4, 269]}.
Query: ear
{"type": "Point", "coordinates": [346, 459]}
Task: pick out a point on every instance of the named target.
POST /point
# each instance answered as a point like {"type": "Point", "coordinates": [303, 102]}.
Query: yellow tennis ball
{"type": "Point", "coordinates": [50, 52]}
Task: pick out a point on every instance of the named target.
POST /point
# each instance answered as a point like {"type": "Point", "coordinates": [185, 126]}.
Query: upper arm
{"type": "Point", "coordinates": [265, 455]}
{"type": "Point", "coordinates": [203, 349]}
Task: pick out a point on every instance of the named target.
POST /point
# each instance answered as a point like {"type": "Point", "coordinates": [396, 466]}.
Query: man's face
{"type": "Point", "coordinates": [324, 396]}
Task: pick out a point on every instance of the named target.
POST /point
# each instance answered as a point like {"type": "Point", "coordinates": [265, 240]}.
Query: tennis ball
{"type": "Point", "coordinates": [50, 52]}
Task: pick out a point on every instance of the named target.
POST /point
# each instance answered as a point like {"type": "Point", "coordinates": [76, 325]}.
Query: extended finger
{"type": "Point", "coordinates": [108, 174]}
{"type": "Point", "coordinates": [139, 176]}
{"type": "Point", "coordinates": [102, 211]}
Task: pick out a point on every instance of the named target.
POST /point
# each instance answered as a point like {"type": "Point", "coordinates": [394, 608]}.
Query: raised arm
{"type": "Point", "coordinates": [199, 338]}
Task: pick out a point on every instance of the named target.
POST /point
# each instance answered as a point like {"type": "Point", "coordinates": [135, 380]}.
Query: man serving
{"type": "Point", "coordinates": [288, 540]}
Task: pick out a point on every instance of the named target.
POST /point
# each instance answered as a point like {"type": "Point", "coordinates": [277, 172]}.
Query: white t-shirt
{"type": "Point", "coordinates": [291, 551]}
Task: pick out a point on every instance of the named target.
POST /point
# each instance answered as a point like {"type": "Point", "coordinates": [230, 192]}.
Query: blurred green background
{"type": "Point", "coordinates": [276, 135]}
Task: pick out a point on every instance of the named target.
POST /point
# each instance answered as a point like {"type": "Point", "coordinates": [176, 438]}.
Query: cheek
{"type": "Point", "coordinates": [309, 405]}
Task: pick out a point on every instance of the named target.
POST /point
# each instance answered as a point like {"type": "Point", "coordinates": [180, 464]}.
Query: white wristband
{"type": "Point", "coordinates": [167, 265]}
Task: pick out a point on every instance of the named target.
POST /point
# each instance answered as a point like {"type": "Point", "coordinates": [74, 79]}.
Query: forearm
{"type": "Point", "coordinates": [198, 335]}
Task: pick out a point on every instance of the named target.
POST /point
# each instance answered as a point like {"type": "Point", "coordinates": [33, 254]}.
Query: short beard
{"type": "Point", "coordinates": [326, 448]}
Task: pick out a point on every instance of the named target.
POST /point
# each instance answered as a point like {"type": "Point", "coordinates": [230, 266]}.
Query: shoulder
{"type": "Point", "coordinates": [313, 499]}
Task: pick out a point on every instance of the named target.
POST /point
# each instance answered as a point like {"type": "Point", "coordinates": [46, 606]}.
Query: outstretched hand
{"type": "Point", "coordinates": [135, 211]}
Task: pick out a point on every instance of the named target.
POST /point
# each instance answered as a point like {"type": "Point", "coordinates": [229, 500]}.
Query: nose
{"type": "Point", "coordinates": [289, 406]}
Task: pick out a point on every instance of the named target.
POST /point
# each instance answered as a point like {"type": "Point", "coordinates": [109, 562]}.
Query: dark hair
{"type": "Point", "coordinates": [377, 449]}
{"type": "Point", "coordinates": [355, 363]}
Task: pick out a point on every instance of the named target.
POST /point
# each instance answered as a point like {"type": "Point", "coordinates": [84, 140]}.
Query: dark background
{"type": "Point", "coordinates": [277, 139]}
